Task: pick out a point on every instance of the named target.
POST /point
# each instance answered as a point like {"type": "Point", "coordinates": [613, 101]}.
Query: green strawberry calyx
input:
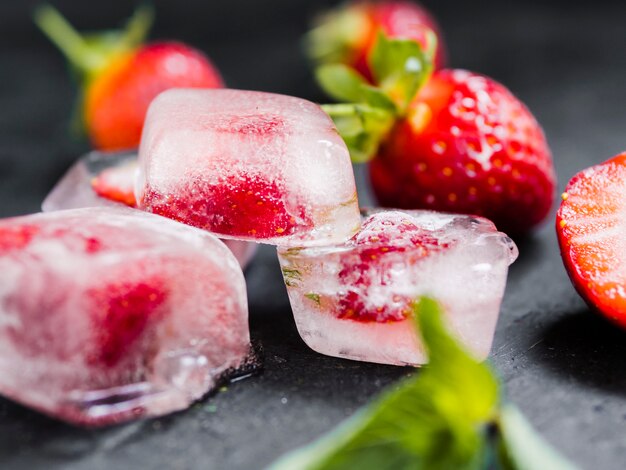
{"type": "Point", "coordinates": [368, 112]}
{"type": "Point", "coordinates": [89, 54]}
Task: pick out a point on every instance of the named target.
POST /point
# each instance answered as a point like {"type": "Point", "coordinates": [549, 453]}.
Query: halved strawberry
{"type": "Point", "coordinates": [591, 228]}
{"type": "Point", "coordinates": [117, 184]}
{"type": "Point", "coordinates": [241, 205]}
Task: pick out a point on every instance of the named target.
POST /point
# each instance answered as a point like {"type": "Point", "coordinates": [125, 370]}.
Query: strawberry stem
{"type": "Point", "coordinates": [67, 39]}
{"type": "Point", "coordinates": [90, 54]}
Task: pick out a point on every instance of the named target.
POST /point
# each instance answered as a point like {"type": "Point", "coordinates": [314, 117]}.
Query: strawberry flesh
{"type": "Point", "coordinates": [122, 312]}
{"type": "Point", "coordinates": [591, 232]}
{"type": "Point", "coordinates": [16, 237]}
{"type": "Point", "coordinates": [380, 236]}
{"type": "Point", "coordinates": [117, 184]}
{"type": "Point", "coordinates": [242, 205]}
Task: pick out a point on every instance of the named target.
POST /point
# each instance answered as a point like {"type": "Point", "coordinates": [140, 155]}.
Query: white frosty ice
{"type": "Point", "coordinates": [247, 165]}
{"type": "Point", "coordinates": [107, 314]}
{"type": "Point", "coordinates": [75, 191]}
{"type": "Point", "coordinates": [353, 300]}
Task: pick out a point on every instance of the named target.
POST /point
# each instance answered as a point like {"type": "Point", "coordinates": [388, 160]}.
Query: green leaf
{"type": "Point", "coordinates": [343, 83]}
{"type": "Point", "coordinates": [88, 54]}
{"type": "Point", "coordinates": [520, 448]}
{"type": "Point", "coordinates": [400, 67]}
{"type": "Point", "coordinates": [362, 127]}
{"type": "Point", "coordinates": [427, 422]}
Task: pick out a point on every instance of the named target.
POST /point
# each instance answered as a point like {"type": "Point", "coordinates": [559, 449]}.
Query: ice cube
{"type": "Point", "coordinates": [107, 314]}
{"type": "Point", "coordinates": [353, 300]}
{"type": "Point", "coordinates": [247, 165]}
{"type": "Point", "coordinates": [106, 179]}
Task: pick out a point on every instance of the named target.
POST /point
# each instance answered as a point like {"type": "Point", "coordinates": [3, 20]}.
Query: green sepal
{"type": "Point", "coordinates": [400, 67]}
{"type": "Point", "coordinates": [90, 53]}
{"type": "Point", "coordinates": [362, 127]}
{"type": "Point", "coordinates": [343, 83]}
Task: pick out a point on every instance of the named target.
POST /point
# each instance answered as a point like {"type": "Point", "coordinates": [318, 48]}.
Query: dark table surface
{"type": "Point", "coordinates": [562, 365]}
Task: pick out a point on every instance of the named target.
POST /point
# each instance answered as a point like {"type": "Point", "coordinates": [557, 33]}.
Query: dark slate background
{"type": "Point", "coordinates": [562, 365]}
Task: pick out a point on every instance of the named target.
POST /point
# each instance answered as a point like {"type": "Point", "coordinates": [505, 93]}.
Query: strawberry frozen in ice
{"type": "Point", "coordinates": [107, 179]}
{"type": "Point", "coordinates": [107, 314]}
{"type": "Point", "coordinates": [353, 300]}
{"type": "Point", "coordinates": [247, 165]}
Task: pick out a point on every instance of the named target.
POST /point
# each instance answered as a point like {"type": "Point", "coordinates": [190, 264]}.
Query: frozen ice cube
{"type": "Point", "coordinates": [353, 300]}
{"type": "Point", "coordinates": [247, 165]}
{"type": "Point", "coordinates": [100, 174]}
{"type": "Point", "coordinates": [107, 314]}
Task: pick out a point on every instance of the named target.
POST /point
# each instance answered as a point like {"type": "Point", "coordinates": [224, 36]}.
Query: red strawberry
{"type": "Point", "coordinates": [242, 205]}
{"type": "Point", "coordinates": [591, 232]}
{"type": "Point", "coordinates": [381, 235]}
{"type": "Point", "coordinates": [451, 141]}
{"type": "Point", "coordinates": [117, 184]}
{"type": "Point", "coordinates": [14, 238]}
{"type": "Point", "coordinates": [467, 145]}
{"type": "Point", "coordinates": [122, 77]}
{"type": "Point", "coordinates": [348, 34]}
{"type": "Point", "coordinates": [122, 311]}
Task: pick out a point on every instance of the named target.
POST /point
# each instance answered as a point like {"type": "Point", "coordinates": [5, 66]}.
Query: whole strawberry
{"type": "Point", "coordinates": [451, 141]}
{"type": "Point", "coordinates": [467, 145]}
{"type": "Point", "coordinates": [590, 228]}
{"type": "Point", "coordinates": [348, 34]}
{"type": "Point", "coordinates": [120, 76]}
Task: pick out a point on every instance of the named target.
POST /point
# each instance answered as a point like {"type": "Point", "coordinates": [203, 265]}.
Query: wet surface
{"type": "Point", "coordinates": [562, 365]}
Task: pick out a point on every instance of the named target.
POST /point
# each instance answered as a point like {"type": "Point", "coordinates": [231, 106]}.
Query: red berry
{"type": "Point", "coordinates": [117, 184]}
{"type": "Point", "coordinates": [397, 20]}
{"type": "Point", "coordinates": [241, 205]}
{"type": "Point", "coordinates": [121, 76]}
{"type": "Point", "coordinates": [117, 100]}
{"type": "Point", "coordinates": [121, 313]}
{"type": "Point", "coordinates": [348, 34]}
{"type": "Point", "coordinates": [380, 237]}
{"type": "Point", "coordinates": [591, 232]}
{"type": "Point", "coordinates": [467, 145]}
{"type": "Point", "coordinates": [16, 237]}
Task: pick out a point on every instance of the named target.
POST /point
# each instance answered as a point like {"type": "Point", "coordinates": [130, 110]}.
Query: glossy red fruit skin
{"type": "Point", "coordinates": [117, 100]}
{"type": "Point", "coordinates": [467, 146]}
{"type": "Point", "coordinates": [589, 207]}
{"type": "Point", "coordinates": [397, 20]}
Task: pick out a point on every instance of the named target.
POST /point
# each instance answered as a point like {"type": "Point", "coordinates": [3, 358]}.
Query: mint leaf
{"type": "Point", "coordinates": [439, 419]}
{"type": "Point", "coordinates": [425, 423]}
{"type": "Point", "coordinates": [362, 127]}
{"type": "Point", "coordinates": [520, 448]}
{"type": "Point", "coordinates": [400, 67]}
{"type": "Point", "coordinates": [346, 84]}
